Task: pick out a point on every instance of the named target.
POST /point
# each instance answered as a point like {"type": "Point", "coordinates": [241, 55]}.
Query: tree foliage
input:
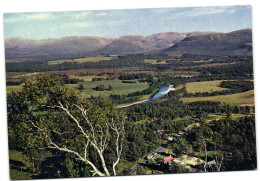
{"type": "Point", "coordinates": [50, 116]}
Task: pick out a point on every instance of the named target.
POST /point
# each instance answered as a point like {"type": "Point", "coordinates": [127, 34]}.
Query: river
{"type": "Point", "coordinates": [165, 89]}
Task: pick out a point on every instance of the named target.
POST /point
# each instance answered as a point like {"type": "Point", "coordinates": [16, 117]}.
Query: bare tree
{"type": "Point", "coordinates": [219, 157]}
{"type": "Point", "coordinates": [48, 115]}
{"type": "Point", "coordinates": [95, 135]}
{"type": "Point", "coordinates": [204, 143]}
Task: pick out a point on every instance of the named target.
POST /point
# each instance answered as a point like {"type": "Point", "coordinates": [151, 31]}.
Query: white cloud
{"type": "Point", "coordinates": [29, 17]}
{"type": "Point", "coordinates": [39, 16]}
{"type": "Point", "coordinates": [73, 25]}
{"type": "Point", "coordinates": [203, 11]}
{"type": "Point", "coordinates": [102, 14]}
{"type": "Point", "coordinates": [164, 10]}
{"type": "Point", "coordinates": [82, 15]}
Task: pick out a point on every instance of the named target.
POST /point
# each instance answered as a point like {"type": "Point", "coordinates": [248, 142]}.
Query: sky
{"type": "Point", "coordinates": [116, 23]}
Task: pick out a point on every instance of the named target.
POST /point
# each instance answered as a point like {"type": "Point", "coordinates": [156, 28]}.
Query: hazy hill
{"type": "Point", "coordinates": [125, 45]}
{"type": "Point", "coordinates": [205, 43]}
{"type": "Point", "coordinates": [17, 48]}
{"type": "Point", "coordinates": [147, 44]}
{"type": "Point", "coordinates": [167, 39]}
{"type": "Point", "coordinates": [233, 43]}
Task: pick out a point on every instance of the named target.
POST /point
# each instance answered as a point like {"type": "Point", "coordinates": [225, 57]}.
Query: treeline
{"type": "Point", "coordinates": [13, 82]}
{"type": "Point", "coordinates": [65, 79]}
{"type": "Point", "coordinates": [234, 140]}
{"type": "Point", "coordinates": [206, 107]}
{"type": "Point", "coordinates": [240, 86]}
{"type": "Point", "coordinates": [143, 76]}
{"type": "Point", "coordinates": [129, 81]}
{"type": "Point", "coordinates": [102, 87]}
{"type": "Point", "coordinates": [43, 66]}
{"type": "Point", "coordinates": [242, 66]}
{"type": "Point", "coordinates": [195, 57]}
{"type": "Point", "coordinates": [98, 79]}
{"type": "Point", "coordinates": [125, 98]}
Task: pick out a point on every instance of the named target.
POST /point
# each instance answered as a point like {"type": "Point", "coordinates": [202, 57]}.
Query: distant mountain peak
{"type": "Point", "coordinates": [232, 43]}
{"type": "Point", "coordinates": [236, 42]}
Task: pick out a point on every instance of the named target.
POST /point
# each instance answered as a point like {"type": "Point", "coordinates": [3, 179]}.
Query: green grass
{"type": "Point", "coordinates": [233, 99]}
{"type": "Point", "coordinates": [119, 88]}
{"type": "Point", "coordinates": [14, 74]}
{"type": "Point", "coordinates": [81, 60]}
{"type": "Point", "coordinates": [11, 88]}
{"type": "Point", "coordinates": [20, 175]}
{"type": "Point", "coordinates": [124, 165]}
{"type": "Point", "coordinates": [207, 86]}
{"type": "Point", "coordinates": [187, 160]}
{"type": "Point", "coordinates": [21, 166]}
{"type": "Point", "coordinates": [87, 78]}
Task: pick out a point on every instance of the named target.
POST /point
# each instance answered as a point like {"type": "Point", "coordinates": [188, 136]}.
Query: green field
{"type": "Point", "coordinates": [14, 74]}
{"type": "Point", "coordinates": [87, 78]}
{"type": "Point", "coordinates": [233, 99]}
{"type": "Point", "coordinates": [18, 166]}
{"type": "Point", "coordinates": [207, 86]}
{"type": "Point", "coordinates": [81, 60]}
{"type": "Point", "coordinates": [117, 87]}
{"type": "Point", "coordinates": [11, 88]}
{"type": "Point", "coordinates": [21, 167]}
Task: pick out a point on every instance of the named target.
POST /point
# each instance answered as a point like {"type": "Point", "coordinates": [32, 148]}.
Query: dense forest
{"type": "Point", "coordinates": [61, 133]}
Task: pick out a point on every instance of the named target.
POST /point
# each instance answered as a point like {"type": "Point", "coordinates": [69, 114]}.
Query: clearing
{"type": "Point", "coordinates": [118, 87]}
{"type": "Point", "coordinates": [207, 86]}
{"type": "Point", "coordinates": [232, 99]}
{"type": "Point", "coordinates": [81, 60]}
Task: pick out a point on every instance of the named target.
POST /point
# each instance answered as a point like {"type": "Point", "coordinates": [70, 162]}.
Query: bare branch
{"type": "Point", "coordinates": [96, 136]}
{"type": "Point", "coordinates": [55, 146]}
{"type": "Point", "coordinates": [86, 146]}
{"type": "Point", "coordinates": [71, 116]}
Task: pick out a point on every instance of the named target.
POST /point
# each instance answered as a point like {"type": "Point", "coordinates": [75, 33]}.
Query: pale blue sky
{"type": "Point", "coordinates": [116, 23]}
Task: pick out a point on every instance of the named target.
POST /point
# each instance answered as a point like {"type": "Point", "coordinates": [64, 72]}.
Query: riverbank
{"type": "Point", "coordinates": [128, 105]}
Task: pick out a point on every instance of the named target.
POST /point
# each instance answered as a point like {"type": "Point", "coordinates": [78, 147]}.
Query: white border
{"type": "Point", "coordinates": [62, 5]}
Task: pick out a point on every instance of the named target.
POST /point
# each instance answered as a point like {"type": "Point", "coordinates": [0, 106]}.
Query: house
{"type": "Point", "coordinates": [168, 159]}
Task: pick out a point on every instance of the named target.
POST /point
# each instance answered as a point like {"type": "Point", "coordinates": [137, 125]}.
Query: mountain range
{"type": "Point", "coordinates": [218, 44]}
{"type": "Point", "coordinates": [202, 43]}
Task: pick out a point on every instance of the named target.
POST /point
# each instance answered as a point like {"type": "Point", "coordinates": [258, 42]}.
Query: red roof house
{"type": "Point", "coordinates": [168, 159]}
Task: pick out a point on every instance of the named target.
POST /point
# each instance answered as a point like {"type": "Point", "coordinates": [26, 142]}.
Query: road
{"type": "Point", "coordinates": [164, 147]}
{"type": "Point", "coordinates": [156, 152]}
{"type": "Point", "coordinates": [154, 155]}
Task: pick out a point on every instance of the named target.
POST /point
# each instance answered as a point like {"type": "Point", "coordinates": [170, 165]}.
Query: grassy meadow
{"type": "Point", "coordinates": [11, 88]}
{"type": "Point", "coordinates": [232, 99]}
{"type": "Point", "coordinates": [207, 86]}
{"type": "Point", "coordinates": [81, 60]}
{"type": "Point", "coordinates": [210, 86]}
{"type": "Point", "coordinates": [118, 87]}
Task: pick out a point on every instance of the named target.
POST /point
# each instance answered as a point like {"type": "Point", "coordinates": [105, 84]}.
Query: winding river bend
{"type": "Point", "coordinates": [165, 89]}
